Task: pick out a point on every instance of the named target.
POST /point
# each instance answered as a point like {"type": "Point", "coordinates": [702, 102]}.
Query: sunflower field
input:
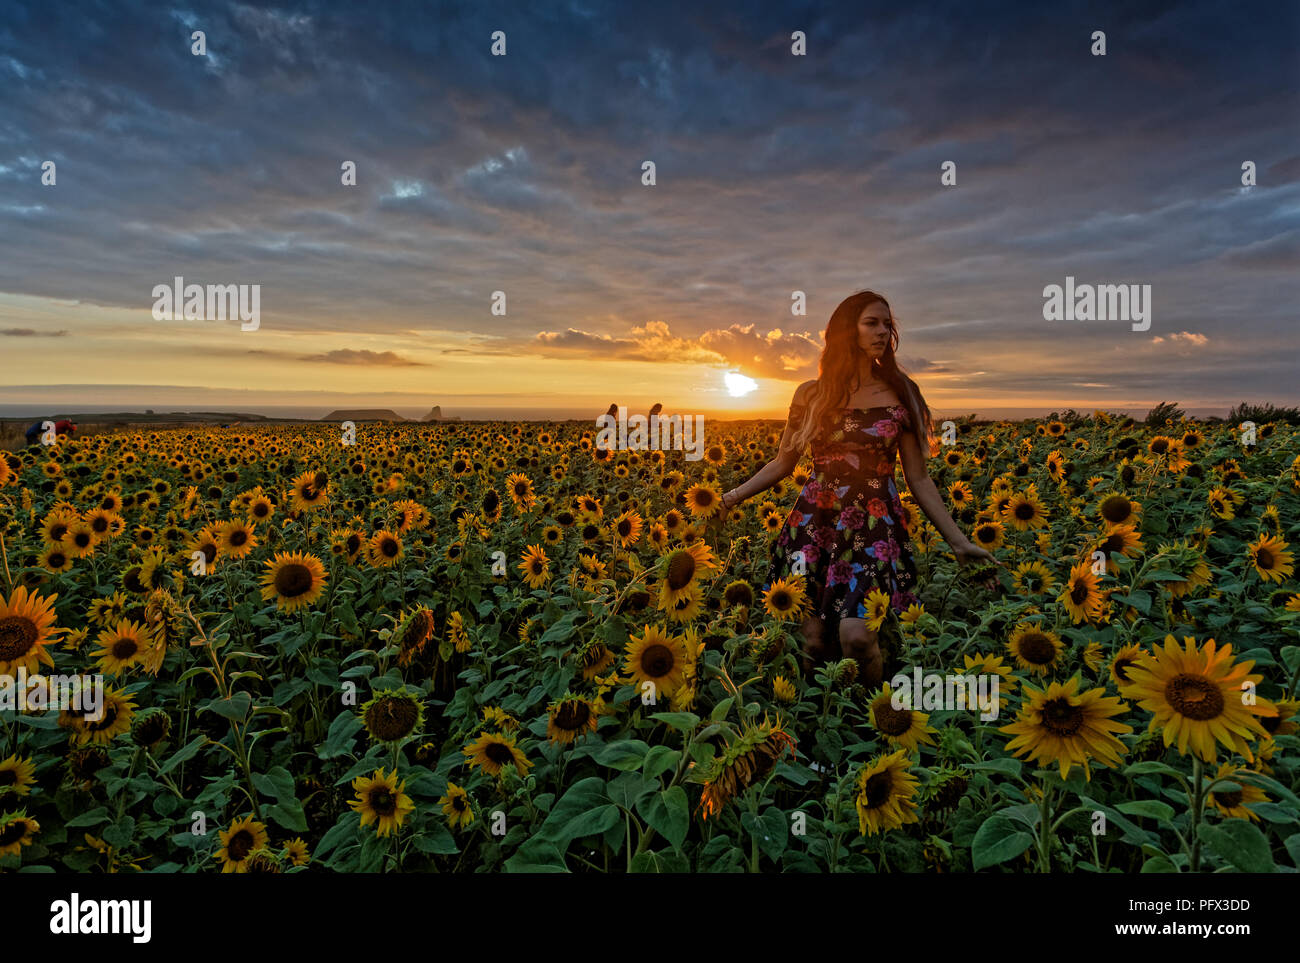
{"type": "Point", "coordinates": [494, 647]}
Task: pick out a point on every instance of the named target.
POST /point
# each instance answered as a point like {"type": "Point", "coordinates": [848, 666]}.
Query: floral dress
{"type": "Point", "coordinates": [848, 523]}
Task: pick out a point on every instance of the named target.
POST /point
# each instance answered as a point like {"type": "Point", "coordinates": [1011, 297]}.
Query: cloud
{"type": "Point", "coordinates": [30, 333]}
{"type": "Point", "coordinates": [364, 357]}
{"type": "Point", "coordinates": [1190, 337]}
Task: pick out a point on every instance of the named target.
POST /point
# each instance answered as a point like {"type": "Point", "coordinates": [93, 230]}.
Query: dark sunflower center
{"type": "Point", "coordinates": [891, 721]}
{"type": "Point", "coordinates": [781, 601]}
{"type": "Point", "coordinates": [110, 717]}
{"type": "Point", "coordinates": [8, 777]}
{"type": "Point", "coordinates": [123, 649]}
{"type": "Point", "coordinates": [17, 636]}
{"type": "Point", "coordinates": [383, 802]}
{"type": "Point", "coordinates": [389, 547]}
{"type": "Point", "coordinates": [681, 570]}
{"type": "Point", "coordinates": [458, 804]}
{"type": "Point", "coordinates": [1116, 509]}
{"type": "Point", "coordinates": [499, 753]}
{"type": "Point", "coordinates": [353, 543]}
{"type": "Point", "coordinates": [57, 559]}
{"type": "Point", "coordinates": [81, 539]}
{"type": "Point", "coordinates": [390, 719]}
{"type": "Point", "coordinates": [1037, 649]}
{"type": "Point", "coordinates": [1060, 718]}
{"type": "Point", "coordinates": [572, 716]}
{"type": "Point", "coordinates": [240, 845]}
{"type": "Point", "coordinates": [1024, 511]}
{"type": "Point", "coordinates": [238, 537]}
{"type": "Point", "coordinates": [878, 789]}
{"type": "Point", "coordinates": [657, 661]}
{"type": "Point", "coordinates": [1194, 696]}
{"type": "Point", "coordinates": [1121, 668]}
{"type": "Point", "coordinates": [293, 580]}
{"type": "Point", "coordinates": [1229, 800]}
{"type": "Point", "coordinates": [1079, 594]}
{"type": "Point", "coordinates": [12, 833]}
{"type": "Point", "coordinates": [1264, 558]}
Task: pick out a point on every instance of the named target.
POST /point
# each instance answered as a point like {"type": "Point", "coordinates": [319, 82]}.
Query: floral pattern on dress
{"type": "Point", "coordinates": [848, 523]}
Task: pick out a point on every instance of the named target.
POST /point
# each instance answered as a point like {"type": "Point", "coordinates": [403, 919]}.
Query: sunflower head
{"type": "Point", "coordinates": [392, 715]}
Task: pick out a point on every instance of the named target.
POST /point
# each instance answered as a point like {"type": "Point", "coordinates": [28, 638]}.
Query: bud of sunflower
{"type": "Point", "coordinates": [945, 789]}
{"type": "Point", "coordinates": [846, 673]}
{"type": "Point", "coordinates": [1149, 747]}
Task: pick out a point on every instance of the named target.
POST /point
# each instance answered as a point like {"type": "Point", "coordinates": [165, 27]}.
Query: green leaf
{"type": "Point", "coordinates": [186, 752]}
{"type": "Point", "coordinates": [682, 721]}
{"type": "Point", "coordinates": [721, 709]}
{"type": "Point", "coordinates": [668, 813]}
{"type": "Point", "coordinates": [342, 732]}
{"type": "Point", "coordinates": [276, 783]}
{"type": "Point", "coordinates": [998, 840]}
{"type": "Point", "coordinates": [1239, 842]}
{"type": "Point", "coordinates": [536, 855]}
{"type": "Point", "coordinates": [1292, 844]}
{"type": "Point", "coordinates": [1148, 807]}
{"type": "Point", "coordinates": [289, 814]}
{"type": "Point", "coordinates": [1004, 765]}
{"type": "Point", "coordinates": [119, 834]}
{"type": "Point", "coordinates": [92, 818]}
{"type": "Point", "coordinates": [624, 755]}
{"type": "Point", "coordinates": [1158, 864]}
{"type": "Point", "coordinates": [659, 760]}
{"type": "Point", "coordinates": [235, 708]}
{"type": "Point", "coordinates": [582, 798]}
{"type": "Point", "coordinates": [1147, 768]}
{"type": "Point", "coordinates": [436, 839]}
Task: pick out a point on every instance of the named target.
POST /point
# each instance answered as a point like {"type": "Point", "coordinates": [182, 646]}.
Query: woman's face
{"type": "Point", "coordinates": [874, 326]}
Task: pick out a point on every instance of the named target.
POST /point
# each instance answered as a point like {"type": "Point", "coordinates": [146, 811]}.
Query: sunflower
{"type": "Point", "coordinates": [380, 800]}
{"type": "Point", "coordinates": [384, 549]}
{"type": "Point", "coordinates": [392, 715]}
{"type": "Point", "coordinates": [783, 689]}
{"type": "Point", "coordinates": [495, 717]}
{"type": "Point", "coordinates": [1271, 559]}
{"type": "Point", "coordinates": [17, 775]}
{"type": "Point", "coordinates": [309, 491]}
{"type": "Point", "coordinates": [988, 535]}
{"type": "Point", "coordinates": [413, 633]}
{"type": "Point", "coordinates": [17, 830]}
{"type": "Point", "coordinates": [293, 580]}
{"type": "Point", "coordinates": [80, 540]}
{"type": "Point", "coordinates": [239, 842]}
{"type": "Point", "coordinates": [902, 726]}
{"type": "Point", "coordinates": [456, 807]}
{"type": "Point", "coordinates": [26, 627]}
{"type": "Point", "coordinates": [570, 718]}
{"type": "Point", "coordinates": [535, 566]}
{"type": "Point", "coordinates": [1035, 649]}
{"type": "Point", "coordinates": [460, 639]}
{"type": "Point", "coordinates": [1124, 539]}
{"type": "Point", "coordinates": [260, 509]}
{"type": "Point", "coordinates": [627, 529]}
{"type": "Point", "coordinates": [1232, 802]}
{"type": "Point", "coordinates": [595, 658]}
{"type": "Point", "coordinates": [1281, 724]}
{"type": "Point", "coordinates": [236, 539]}
{"type": "Point", "coordinates": [656, 658]}
{"type": "Point", "coordinates": [1024, 510]}
{"type": "Point", "coordinates": [877, 605]}
{"type": "Point", "coordinates": [493, 751]}
{"type": "Point", "coordinates": [991, 665]}
{"type": "Point", "coordinates": [207, 542]}
{"type": "Point", "coordinates": [295, 851]}
{"type": "Point", "coordinates": [1195, 696]}
{"type": "Point", "coordinates": [744, 762]}
{"type": "Point", "coordinates": [1223, 502]}
{"type": "Point", "coordinates": [54, 558]}
{"type": "Point", "coordinates": [113, 718]}
{"type": "Point", "coordinates": [1118, 509]}
{"type": "Point", "coordinates": [1062, 725]}
{"type": "Point", "coordinates": [687, 606]}
{"type": "Point", "coordinates": [1080, 596]}
{"type": "Point", "coordinates": [785, 599]}
{"type": "Point", "coordinates": [1122, 661]}
{"type": "Point", "coordinates": [885, 794]}
{"type": "Point", "coordinates": [682, 567]}
{"type": "Point", "coordinates": [121, 647]}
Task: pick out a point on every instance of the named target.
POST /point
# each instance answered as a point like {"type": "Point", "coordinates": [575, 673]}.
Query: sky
{"type": "Point", "coordinates": [775, 173]}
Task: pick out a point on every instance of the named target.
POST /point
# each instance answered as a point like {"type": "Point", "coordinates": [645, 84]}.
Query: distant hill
{"type": "Point", "coordinates": [363, 414]}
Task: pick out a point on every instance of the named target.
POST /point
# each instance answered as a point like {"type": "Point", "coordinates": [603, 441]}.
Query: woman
{"type": "Point", "coordinates": [847, 533]}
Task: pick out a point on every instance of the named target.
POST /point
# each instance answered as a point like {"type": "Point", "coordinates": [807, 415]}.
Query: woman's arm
{"type": "Point", "coordinates": [786, 457]}
{"type": "Point", "coordinates": [926, 494]}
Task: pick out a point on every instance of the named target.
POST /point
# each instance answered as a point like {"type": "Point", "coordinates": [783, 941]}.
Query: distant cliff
{"type": "Point", "coordinates": [435, 414]}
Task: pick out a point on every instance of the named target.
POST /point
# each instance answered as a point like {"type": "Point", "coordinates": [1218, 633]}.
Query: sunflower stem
{"type": "Point", "coordinates": [1045, 830]}
{"type": "Point", "coordinates": [1198, 776]}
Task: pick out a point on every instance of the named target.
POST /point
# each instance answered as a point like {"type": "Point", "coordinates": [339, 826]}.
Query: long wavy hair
{"type": "Point", "coordinates": [838, 376]}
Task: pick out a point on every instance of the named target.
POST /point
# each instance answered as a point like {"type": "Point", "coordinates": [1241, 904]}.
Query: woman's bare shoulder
{"type": "Point", "coordinates": [805, 393]}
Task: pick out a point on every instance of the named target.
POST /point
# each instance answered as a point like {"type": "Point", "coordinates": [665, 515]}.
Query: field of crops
{"type": "Point", "coordinates": [490, 647]}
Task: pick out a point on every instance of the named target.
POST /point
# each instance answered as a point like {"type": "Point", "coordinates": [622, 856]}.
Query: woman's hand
{"type": "Point", "coordinates": [968, 552]}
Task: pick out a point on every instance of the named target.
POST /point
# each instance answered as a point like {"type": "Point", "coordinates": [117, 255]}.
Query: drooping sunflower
{"type": "Point", "coordinates": [293, 579]}
{"type": "Point", "coordinates": [1081, 596]}
{"type": "Point", "coordinates": [655, 657]}
{"type": "Point", "coordinates": [26, 627]}
{"type": "Point", "coordinates": [1271, 559]}
{"type": "Point", "coordinates": [786, 598]}
{"type": "Point", "coordinates": [1062, 725]}
{"type": "Point", "coordinates": [1035, 649]}
{"type": "Point", "coordinates": [594, 658]}
{"type": "Point", "coordinates": [902, 726]}
{"type": "Point", "coordinates": [493, 751]}
{"type": "Point", "coordinates": [17, 830]}
{"type": "Point", "coordinates": [1195, 695]}
{"type": "Point", "coordinates": [121, 646]}
{"type": "Point", "coordinates": [380, 800]}
{"type": "Point", "coordinates": [413, 633]}
{"type": "Point", "coordinates": [570, 718]}
{"type": "Point", "coordinates": [456, 807]}
{"type": "Point", "coordinates": [17, 775]}
{"type": "Point", "coordinates": [239, 842]}
{"type": "Point", "coordinates": [885, 794]}
{"type": "Point", "coordinates": [392, 715]}
{"type": "Point", "coordinates": [744, 761]}
{"type": "Point", "coordinates": [535, 566]}
{"type": "Point", "coordinates": [1232, 802]}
